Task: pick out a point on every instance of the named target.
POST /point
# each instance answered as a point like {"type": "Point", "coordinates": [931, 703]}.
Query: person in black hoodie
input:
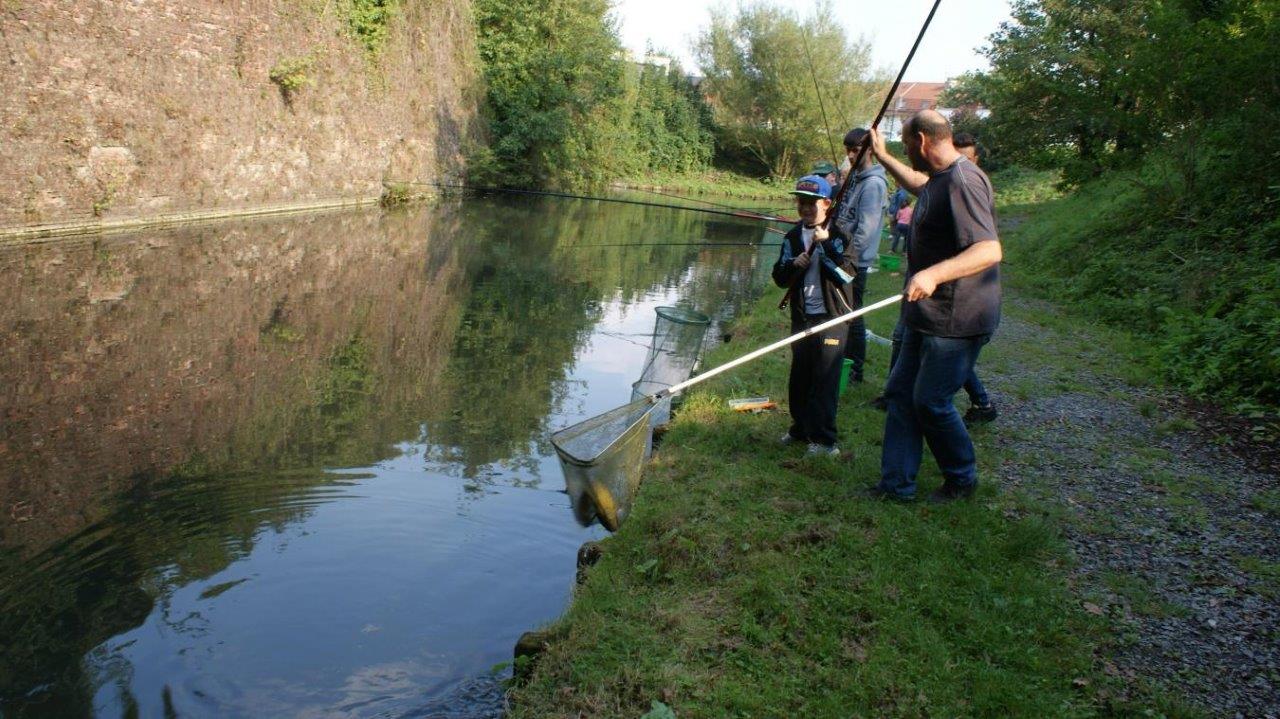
{"type": "Point", "coordinates": [813, 266]}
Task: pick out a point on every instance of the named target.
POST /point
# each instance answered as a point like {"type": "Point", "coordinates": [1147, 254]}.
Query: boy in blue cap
{"type": "Point", "coordinates": [813, 267]}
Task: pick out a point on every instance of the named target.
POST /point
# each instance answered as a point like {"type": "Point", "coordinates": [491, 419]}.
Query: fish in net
{"type": "Point", "coordinates": [602, 456]}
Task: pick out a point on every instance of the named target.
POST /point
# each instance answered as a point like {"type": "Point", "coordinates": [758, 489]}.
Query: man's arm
{"type": "Point", "coordinates": [974, 259]}
{"type": "Point", "coordinates": [907, 177]}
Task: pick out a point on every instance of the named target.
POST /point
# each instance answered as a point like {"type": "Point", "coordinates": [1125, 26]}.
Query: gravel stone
{"type": "Point", "coordinates": [1160, 520]}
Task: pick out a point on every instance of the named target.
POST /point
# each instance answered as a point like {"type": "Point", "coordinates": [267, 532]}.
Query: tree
{"type": "Point", "coordinates": [550, 69]}
{"type": "Point", "coordinates": [1059, 89]}
{"type": "Point", "coordinates": [760, 67]}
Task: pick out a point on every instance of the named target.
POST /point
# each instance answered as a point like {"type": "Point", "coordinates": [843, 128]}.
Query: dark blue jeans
{"type": "Point", "coordinates": [855, 347]}
{"type": "Point", "coordinates": [928, 373]}
{"type": "Point", "coordinates": [973, 387]}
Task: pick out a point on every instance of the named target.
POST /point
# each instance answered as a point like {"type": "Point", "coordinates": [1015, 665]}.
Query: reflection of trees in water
{"type": "Point", "coordinates": [540, 280]}
{"type": "Point", "coordinates": [209, 374]}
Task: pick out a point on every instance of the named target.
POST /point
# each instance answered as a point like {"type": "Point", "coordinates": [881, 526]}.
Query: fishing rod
{"type": "Point", "coordinates": [548, 193]}
{"type": "Point", "coordinates": [865, 145]}
{"type": "Point", "coordinates": [826, 124]}
{"type": "Point", "coordinates": [679, 244]}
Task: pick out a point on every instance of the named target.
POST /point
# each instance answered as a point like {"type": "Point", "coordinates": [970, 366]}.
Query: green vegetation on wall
{"type": "Point", "coordinates": [369, 22]}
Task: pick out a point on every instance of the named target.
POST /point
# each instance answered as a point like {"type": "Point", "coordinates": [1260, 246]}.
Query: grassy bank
{"type": "Point", "coordinates": [710, 182]}
{"type": "Point", "coordinates": [752, 581]}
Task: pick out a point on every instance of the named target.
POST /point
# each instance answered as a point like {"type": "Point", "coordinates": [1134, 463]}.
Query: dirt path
{"type": "Point", "coordinates": [1176, 540]}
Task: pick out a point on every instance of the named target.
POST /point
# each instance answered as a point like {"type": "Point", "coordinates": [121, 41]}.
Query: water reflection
{"type": "Point", "coordinates": [291, 467]}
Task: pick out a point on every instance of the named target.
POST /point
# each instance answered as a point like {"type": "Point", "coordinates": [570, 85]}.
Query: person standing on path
{"type": "Point", "coordinates": [952, 308]}
{"type": "Point", "coordinates": [981, 408]}
{"type": "Point", "coordinates": [857, 223]}
{"type": "Point", "coordinates": [807, 265]}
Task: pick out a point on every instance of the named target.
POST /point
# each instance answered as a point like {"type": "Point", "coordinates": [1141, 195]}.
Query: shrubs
{"type": "Point", "coordinates": [1192, 264]}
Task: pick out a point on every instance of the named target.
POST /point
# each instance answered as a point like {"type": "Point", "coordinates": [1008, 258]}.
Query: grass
{"type": "Point", "coordinates": [1268, 501]}
{"type": "Point", "coordinates": [752, 582]}
{"type": "Point", "coordinates": [710, 182]}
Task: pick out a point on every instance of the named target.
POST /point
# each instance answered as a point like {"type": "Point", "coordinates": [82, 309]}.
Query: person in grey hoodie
{"type": "Point", "coordinates": [857, 222]}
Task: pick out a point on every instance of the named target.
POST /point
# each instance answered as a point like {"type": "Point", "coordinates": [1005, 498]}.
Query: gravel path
{"type": "Point", "coordinates": [1176, 538]}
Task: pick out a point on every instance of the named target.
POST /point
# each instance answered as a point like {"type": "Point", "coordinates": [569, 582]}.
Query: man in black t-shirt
{"type": "Point", "coordinates": [952, 308]}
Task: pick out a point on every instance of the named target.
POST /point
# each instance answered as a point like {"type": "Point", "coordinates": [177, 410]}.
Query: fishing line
{"type": "Point", "coordinates": [804, 37]}
{"type": "Point", "coordinates": [678, 244]}
{"type": "Point", "coordinates": [548, 193]}
{"type": "Point", "coordinates": [865, 145]}
{"type": "Point", "coordinates": [707, 202]}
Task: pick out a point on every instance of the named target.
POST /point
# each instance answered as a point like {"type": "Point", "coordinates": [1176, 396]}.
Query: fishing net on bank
{"type": "Point", "coordinates": [602, 456]}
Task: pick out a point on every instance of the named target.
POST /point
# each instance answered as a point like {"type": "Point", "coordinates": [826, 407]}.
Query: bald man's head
{"type": "Point", "coordinates": [929, 123]}
{"type": "Point", "coordinates": [926, 136]}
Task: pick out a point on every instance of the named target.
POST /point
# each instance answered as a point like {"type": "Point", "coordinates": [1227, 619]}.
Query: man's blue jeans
{"type": "Point", "coordinates": [928, 373]}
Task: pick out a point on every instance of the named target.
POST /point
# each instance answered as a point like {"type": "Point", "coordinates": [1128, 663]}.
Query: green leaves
{"type": "Point", "coordinates": [757, 70]}
{"type": "Point", "coordinates": [566, 110]}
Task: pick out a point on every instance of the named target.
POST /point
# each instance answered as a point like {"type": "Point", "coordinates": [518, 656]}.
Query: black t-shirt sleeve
{"type": "Point", "coordinates": [972, 206]}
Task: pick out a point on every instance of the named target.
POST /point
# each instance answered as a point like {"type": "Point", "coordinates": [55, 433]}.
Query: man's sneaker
{"type": "Point", "coordinates": [884, 495]}
{"type": "Point", "coordinates": [880, 403]}
{"type": "Point", "coordinates": [950, 493]}
{"type": "Point", "coordinates": [980, 414]}
{"type": "Point", "coordinates": [789, 439]}
{"type": "Point", "coordinates": [823, 450]}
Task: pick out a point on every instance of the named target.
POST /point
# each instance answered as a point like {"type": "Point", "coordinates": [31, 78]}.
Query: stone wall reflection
{"type": "Point", "coordinates": [126, 357]}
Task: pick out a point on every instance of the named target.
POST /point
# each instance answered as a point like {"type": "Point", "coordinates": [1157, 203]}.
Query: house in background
{"type": "Point", "coordinates": [912, 97]}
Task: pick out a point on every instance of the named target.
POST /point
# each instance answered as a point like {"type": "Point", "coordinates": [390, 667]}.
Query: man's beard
{"type": "Point", "coordinates": [917, 160]}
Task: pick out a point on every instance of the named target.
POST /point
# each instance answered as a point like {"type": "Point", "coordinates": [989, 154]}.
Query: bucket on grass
{"type": "Point", "coordinates": [845, 366]}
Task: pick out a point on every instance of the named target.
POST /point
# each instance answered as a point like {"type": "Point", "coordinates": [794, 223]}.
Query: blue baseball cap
{"type": "Point", "coordinates": [813, 186]}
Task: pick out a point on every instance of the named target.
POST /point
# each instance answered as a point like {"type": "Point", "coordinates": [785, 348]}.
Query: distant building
{"type": "Point", "coordinates": [912, 97]}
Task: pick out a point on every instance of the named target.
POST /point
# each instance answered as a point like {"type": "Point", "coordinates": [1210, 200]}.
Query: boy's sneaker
{"type": "Point", "coordinates": [980, 414]}
{"type": "Point", "coordinates": [823, 450]}
{"type": "Point", "coordinates": [789, 439]}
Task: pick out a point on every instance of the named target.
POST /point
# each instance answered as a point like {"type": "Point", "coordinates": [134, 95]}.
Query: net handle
{"type": "Point", "coordinates": [776, 345]}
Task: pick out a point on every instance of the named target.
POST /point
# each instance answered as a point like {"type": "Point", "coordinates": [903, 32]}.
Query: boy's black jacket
{"type": "Point", "coordinates": [837, 296]}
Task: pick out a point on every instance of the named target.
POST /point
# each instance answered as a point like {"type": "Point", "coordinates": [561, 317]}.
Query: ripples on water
{"type": "Point", "coordinates": [300, 467]}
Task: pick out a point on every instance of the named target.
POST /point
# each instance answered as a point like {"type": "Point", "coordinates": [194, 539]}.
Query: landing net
{"type": "Point", "coordinates": [602, 456]}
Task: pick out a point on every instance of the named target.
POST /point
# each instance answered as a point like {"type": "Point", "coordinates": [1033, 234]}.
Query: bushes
{"type": "Point", "coordinates": [1191, 265]}
{"type": "Point", "coordinates": [565, 110]}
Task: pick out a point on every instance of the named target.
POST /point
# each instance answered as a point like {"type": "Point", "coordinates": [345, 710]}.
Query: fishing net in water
{"type": "Point", "coordinates": [678, 334]}
{"type": "Point", "coordinates": [601, 456]}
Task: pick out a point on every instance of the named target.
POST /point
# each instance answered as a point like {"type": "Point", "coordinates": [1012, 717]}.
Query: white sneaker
{"type": "Point", "coordinates": [787, 439]}
{"type": "Point", "coordinates": [822, 450]}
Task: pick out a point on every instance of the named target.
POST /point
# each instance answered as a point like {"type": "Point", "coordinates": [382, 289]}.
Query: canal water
{"type": "Point", "coordinates": [300, 467]}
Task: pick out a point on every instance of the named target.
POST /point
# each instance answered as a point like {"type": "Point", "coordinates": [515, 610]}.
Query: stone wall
{"type": "Point", "coordinates": [121, 108]}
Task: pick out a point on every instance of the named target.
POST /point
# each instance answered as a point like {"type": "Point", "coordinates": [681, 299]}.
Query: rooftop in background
{"type": "Point", "coordinates": [912, 97]}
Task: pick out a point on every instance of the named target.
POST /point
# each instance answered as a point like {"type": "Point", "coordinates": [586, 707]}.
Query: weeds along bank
{"type": "Point", "coordinates": [1162, 125]}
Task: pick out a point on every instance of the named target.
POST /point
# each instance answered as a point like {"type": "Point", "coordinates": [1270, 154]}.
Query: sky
{"type": "Point", "coordinates": [948, 48]}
